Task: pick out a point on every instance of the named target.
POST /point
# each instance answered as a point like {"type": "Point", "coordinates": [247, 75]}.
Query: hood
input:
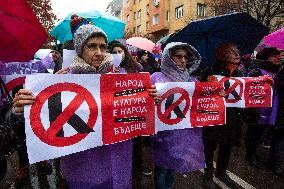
{"type": "Point", "coordinates": [80, 66]}
{"type": "Point", "coordinates": [169, 68]}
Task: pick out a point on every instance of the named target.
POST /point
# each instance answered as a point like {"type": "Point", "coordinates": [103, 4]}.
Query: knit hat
{"type": "Point", "coordinates": [83, 33]}
{"type": "Point", "coordinates": [221, 50]}
{"type": "Point", "coordinates": [77, 21]}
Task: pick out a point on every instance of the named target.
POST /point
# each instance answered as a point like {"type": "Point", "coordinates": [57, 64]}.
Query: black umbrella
{"type": "Point", "coordinates": [207, 34]}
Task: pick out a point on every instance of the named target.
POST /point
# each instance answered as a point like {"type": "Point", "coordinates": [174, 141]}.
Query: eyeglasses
{"type": "Point", "coordinates": [94, 46]}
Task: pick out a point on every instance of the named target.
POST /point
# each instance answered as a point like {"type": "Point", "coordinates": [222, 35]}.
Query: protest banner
{"type": "Point", "coordinates": [245, 92]}
{"type": "Point", "coordinates": [67, 115]}
{"type": "Point", "coordinates": [34, 66]}
{"type": "Point", "coordinates": [189, 104]}
{"type": "Point", "coordinates": [72, 113]}
{"type": "Point", "coordinates": [174, 110]}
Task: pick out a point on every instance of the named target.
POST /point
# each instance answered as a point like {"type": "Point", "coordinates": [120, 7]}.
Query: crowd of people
{"type": "Point", "coordinates": [116, 165]}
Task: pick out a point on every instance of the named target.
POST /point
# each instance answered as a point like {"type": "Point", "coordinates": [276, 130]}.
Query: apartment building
{"type": "Point", "coordinates": [156, 18]}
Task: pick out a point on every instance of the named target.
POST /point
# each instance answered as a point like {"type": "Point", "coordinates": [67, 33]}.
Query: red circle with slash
{"type": "Point", "coordinates": [232, 88]}
{"type": "Point", "coordinates": [49, 136]}
{"type": "Point", "coordinates": [184, 96]}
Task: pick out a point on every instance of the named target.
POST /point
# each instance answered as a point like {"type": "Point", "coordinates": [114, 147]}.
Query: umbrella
{"type": "Point", "coordinates": [21, 34]}
{"type": "Point", "coordinates": [164, 39]}
{"type": "Point", "coordinates": [275, 39]}
{"type": "Point", "coordinates": [112, 26]}
{"type": "Point", "coordinates": [141, 43]}
{"type": "Point", "coordinates": [207, 34]}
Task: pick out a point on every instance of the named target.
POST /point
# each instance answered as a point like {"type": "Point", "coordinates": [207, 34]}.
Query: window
{"type": "Point", "coordinates": [168, 16]}
{"type": "Point", "coordinates": [135, 15]}
{"type": "Point", "coordinates": [134, 30]}
{"type": "Point", "coordinates": [156, 3]}
{"type": "Point", "coordinates": [139, 14]}
{"type": "Point", "coordinates": [179, 12]}
{"type": "Point", "coordinates": [156, 19]}
{"type": "Point", "coordinates": [201, 10]}
{"type": "Point", "coordinates": [139, 29]}
{"type": "Point", "coordinates": [147, 25]}
{"type": "Point", "coordinates": [147, 9]}
{"type": "Point", "coordinates": [128, 18]}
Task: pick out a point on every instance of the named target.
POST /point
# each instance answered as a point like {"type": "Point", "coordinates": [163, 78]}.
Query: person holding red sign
{"type": "Point", "coordinates": [228, 65]}
{"type": "Point", "coordinates": [277, 144]}
{"type": "Point", "coordinates": [260, 121]}
{"type": "Point", "coordinates": [101, 167]}
{"type": "Point", "coordinates": [173, 150]}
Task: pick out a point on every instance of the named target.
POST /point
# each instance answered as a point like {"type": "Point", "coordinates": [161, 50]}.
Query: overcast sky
{"type": "Point", "coordinates": [63, 7]}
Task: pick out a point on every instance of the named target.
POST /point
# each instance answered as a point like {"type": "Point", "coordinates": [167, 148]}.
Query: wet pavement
{"type": "Point", "coordinates": [246, 176]}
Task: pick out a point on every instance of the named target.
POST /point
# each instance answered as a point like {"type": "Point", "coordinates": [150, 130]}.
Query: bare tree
{"type": "Point", "coordinates": [226, 6]}
{"type": "Point", "coordinates": [269, 12]}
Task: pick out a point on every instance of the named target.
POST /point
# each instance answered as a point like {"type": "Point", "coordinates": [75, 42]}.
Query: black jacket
{"type": "Point", "coordinates": [230, 132]}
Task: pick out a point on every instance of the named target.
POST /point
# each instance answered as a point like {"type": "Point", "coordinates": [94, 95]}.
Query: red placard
{"type": "Point", "coordinates": [258, 92]}
{"type": "Point", "coordinates": [208, 106]}
{"type": "Point", "coordinates": [127, 108]}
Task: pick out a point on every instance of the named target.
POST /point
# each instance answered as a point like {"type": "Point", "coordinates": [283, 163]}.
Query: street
{"type": "Point", "coordinates": [246, 176]}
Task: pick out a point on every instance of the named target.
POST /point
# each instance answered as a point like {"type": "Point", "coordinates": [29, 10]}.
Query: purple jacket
{"type": "Point", "coordinates": [107, 167]}
{"type": "Point", "coordinates": [269, 115]}
{"type": "Point", "coordinates": [178, 150]}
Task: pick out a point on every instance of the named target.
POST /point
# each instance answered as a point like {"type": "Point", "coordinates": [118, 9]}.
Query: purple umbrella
{"type": "Point", "coordinates": [275, 39]}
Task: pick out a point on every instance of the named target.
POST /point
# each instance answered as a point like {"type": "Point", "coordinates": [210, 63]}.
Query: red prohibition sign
{"type": "Point", "coordinates": [15, 82]}
{"type": "Point", "coordinates": [232, 88]}
{"type": "Point", "coordinates": [184, 96]}
{"type": "Point", "coordinates": [49, 136]}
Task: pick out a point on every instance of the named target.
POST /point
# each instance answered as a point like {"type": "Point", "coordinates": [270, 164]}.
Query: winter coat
{"type": "Point", "coordinates": [107, 167]}
{"type": "Point", "coordinates": [230, 132]}
{"type": "Point", "coordinates": [178, 150]}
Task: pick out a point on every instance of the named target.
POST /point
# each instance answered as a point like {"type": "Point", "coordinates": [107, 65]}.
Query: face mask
{"type": "Point", "coordinates": [282, 61]}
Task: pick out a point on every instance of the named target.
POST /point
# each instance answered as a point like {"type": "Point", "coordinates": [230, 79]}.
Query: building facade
{"type": "Point", "coordinates": [156, 18]}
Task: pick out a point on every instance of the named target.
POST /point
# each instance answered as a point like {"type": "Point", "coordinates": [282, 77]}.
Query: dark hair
{"type": "Point", "coordinates": [140, 53]}
{"type": "Point", "coordinates": [128, 63]}
{"type": "Point", "coordinates": [265, 53]}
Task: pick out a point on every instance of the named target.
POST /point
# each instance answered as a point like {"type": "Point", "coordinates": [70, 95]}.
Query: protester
{"type": "Point", "coordinates": [227, 135]}
{"type": "Point", "coordinates": [57, 56]}
{"type": "Point", "coordinates": [131, 66]}
{"type": "Point", "coordinates": [178, 150]}
{"type": "Point", "coordinates": [101, 167]}
{"type": "Point", "coordinates": [128, 63]}
{"type": "Point", "coordinates": [277, 144]}
{"type": "Point", "coordinates": [147, 61]}
{"type": "Point", "coordinates": [260, 121]}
